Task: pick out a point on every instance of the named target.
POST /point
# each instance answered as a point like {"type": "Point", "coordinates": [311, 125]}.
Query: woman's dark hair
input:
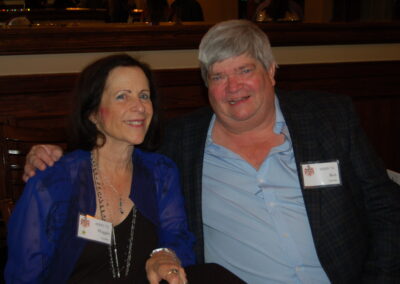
{"type": "Point", "coordinates": [88, 93]}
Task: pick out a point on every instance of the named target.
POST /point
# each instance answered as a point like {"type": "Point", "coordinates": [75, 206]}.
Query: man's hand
{"type": "Point", "coordinates": [39, 157]}
{"type": "Point", "coordinates": [164, 265]}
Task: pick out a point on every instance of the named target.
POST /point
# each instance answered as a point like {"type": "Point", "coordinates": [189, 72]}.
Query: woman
{"type": "Point", "coordinates": [97, 215]}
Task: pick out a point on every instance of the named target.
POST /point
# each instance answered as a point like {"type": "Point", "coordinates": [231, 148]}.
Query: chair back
{"type": "Point", "coordinates": [6, 207]}
{"type": "Point", "coordinates": [15, 143]}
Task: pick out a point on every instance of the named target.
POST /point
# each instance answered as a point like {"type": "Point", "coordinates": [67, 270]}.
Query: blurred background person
{"type": "Point", "coordinates": [186, 10]}
{"type": "Point", "coordinates": [156, 11]}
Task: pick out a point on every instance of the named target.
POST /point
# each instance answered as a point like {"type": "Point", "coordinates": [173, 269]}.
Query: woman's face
{"type": "Point", "coordinates": [125, 110]}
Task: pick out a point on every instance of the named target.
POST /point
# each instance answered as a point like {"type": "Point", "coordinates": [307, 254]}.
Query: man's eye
{"type": "Point", "coordinates": [216, 77]}
{"type": "Point", "coordinates": [246, 70]}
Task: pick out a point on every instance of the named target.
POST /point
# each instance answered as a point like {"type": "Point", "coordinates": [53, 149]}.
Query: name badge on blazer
{"type": "Point", "coordinates": [94, 229]}
{"type": "Point", "coordinates": [320, 174]}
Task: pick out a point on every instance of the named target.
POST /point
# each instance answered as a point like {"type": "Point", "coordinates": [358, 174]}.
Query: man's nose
{"type": "Point", "coordinates": [233, 83]}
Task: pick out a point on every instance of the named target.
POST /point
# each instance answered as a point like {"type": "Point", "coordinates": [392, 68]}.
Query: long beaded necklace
{"type": "Point", "coordinates": [107, 181]}
{"type": "Point", "coordinates": [112, 249]}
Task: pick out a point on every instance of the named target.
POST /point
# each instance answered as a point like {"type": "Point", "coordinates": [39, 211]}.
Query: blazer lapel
{"type": "Point", "coordinates": [312, 142]}
{"type": "Point", "coordinates": [193, 146]}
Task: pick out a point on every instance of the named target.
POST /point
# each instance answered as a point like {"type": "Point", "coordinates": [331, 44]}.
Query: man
{"type": "Point", "coordinates": [188, 11]}
{"type": "Point", "coordinates": [279, 188]}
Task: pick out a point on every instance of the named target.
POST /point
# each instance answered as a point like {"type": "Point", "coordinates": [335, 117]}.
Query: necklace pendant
{"type": "Point", "coordinates": [120, 206]}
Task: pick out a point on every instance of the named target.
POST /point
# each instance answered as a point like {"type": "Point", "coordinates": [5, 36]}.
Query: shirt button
{"type": "Point", "coordinates": [285, 235]}
{"type": "Point", "coordinates": [298, 268]}
{"type": "Point", "coordinates": [272, 204]}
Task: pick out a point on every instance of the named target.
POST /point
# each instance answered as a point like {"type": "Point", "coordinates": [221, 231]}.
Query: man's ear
{"type": "Point", "coordinates": [271, 73]}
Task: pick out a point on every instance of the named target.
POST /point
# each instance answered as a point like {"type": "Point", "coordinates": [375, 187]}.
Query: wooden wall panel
{"type": "Point", "coordinates": [44, 100]}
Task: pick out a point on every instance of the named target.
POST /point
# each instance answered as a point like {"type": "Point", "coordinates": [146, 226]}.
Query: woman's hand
{"type": "Point", "coordinates": [164, 265]}
{"type": "Point", "coordinates": [39, 157]}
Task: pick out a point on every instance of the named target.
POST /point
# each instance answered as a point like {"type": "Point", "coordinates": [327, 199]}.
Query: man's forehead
{"type": "Point", "coordinates": [233, 63]}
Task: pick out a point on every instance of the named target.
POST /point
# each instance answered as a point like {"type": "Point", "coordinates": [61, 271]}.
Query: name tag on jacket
{"type": "Point", "coordinates": [320, 174]}
{"type": "Point", "coordinates": [94, 229]}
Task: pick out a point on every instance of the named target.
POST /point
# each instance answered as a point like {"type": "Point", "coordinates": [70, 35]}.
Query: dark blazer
{"type": "Point", "coordinates": [355, 226]}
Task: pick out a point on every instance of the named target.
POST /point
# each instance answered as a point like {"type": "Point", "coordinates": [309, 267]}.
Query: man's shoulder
{"type": "Point", "coordinates": [194, 117]}
{"type": "Point", "coordinates": [186, 132]}
{"type": "Point", "coordinates": [312, 97]}
{"type": "Point", "coordinates": [310, 101]}
{"type": "Point", "coordinates": [198, 119]}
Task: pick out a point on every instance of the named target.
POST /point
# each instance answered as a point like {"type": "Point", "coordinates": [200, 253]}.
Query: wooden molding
{"type": "Point", "coordinates": [81, 38]}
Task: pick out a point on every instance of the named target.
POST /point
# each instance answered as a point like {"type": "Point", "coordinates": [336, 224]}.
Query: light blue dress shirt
{"type": "Point", "coordinates": [255, 221]}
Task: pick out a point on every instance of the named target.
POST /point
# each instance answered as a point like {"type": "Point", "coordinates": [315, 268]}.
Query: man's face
{"type": "Point", "coordinates": [241, 90]}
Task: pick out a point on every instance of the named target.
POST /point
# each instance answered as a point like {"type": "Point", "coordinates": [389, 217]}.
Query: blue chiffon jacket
{"type": "Point", "coordinates": [42, 233]}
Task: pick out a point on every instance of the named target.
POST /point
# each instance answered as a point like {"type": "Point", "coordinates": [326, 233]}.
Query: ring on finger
{"type": "Point", "coordinates": [172, 271]}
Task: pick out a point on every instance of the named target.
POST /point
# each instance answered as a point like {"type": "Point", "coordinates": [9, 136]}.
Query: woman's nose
{"type": "Point", "coordinates": [137, 105]}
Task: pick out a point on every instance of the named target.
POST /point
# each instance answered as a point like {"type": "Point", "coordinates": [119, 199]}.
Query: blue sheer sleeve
{"type": "Point", "coordinates": [42, 242]}
{"type": "Point", "coordinates": [31, 234]}
{"type": "Point", "coordinates": [174, 231]}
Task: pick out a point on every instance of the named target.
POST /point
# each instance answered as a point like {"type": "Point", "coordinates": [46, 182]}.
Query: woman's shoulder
{"type": "Point", "coordinates": [67, 165]}
{"type": "Point", "coordinates": [56, 181]}
{"type": "Point", "coordinates": [73, 158]}
{"type": "Point", "coordinates": [153, 159]}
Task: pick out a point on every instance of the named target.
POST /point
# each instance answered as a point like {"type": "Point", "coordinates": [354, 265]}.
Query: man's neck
{"type": "Point", "coordinates": [253, 145]}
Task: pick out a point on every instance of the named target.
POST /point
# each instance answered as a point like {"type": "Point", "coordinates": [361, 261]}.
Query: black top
{"type": "Point", "coordinates": [93, 266]}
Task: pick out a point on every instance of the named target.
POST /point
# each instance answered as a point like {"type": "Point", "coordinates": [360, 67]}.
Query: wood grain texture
{"type": "Point", "coordinates": [45, 101]}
